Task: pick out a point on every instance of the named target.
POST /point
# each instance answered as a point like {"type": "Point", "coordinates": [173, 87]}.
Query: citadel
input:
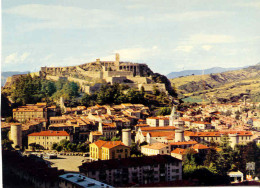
{"type": "Point", "coordinates": [90, 76]}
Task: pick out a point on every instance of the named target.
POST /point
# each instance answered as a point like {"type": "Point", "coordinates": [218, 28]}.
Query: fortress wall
{"type": "Point", "coordinates": [139, 80]}
{"type": "Point", "coordinates": [79, 81]}
{"type": "Point", "coordinates": [55, 78]}
{"type": "Point", "coordinates": [117, 73]}
{"type": "Point", "coordinates": [113, 80]}
{"type": "Point", "coordinates": [149, 87]}
{"type": "Point", "coordinates": [132, 85]}
{"type": "Point", "coordinates": [94, 74]}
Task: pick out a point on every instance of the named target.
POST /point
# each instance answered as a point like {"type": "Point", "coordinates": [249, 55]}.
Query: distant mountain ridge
{"type": "Point", "coordinates": [200, 72]}
{"type": "Point", "coordinates": [4, 75]}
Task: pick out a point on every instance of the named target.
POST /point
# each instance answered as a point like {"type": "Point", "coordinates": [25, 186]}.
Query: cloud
{"type": "Point", "coordinates": [255, 4]}
{"type": "Point", "coordinates": [184, 48]}
{"type": "Point", "coordinates": [206, 47]}
{"type": "Point", "coordinates": [51, 16]}
{"type": "Point", "coordinates": [133, 54]}
{"type": "Point", "coordinates": [24, 56]}
{"type": "Point", "coordinates": [211, 39]}
{"type": "Point", "coordinates": [54, 16]}
{"type": "Point", "coordinates": [16, 58]}
{"type": "Point", "coordinates": [192, 15]}
{"type": "Point", "coordinates": [11, 58]}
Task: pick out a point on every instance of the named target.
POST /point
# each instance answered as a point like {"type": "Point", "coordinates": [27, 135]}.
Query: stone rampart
{"type": "Point", "coordinates": [55, 78]}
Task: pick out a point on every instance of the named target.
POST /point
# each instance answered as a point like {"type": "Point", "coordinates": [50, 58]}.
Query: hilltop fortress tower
{"type": "Point", "coordinates": [89, 74]}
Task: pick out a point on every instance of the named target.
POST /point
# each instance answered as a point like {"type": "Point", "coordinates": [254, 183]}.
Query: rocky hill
{"type": "Point", "coordinates": [5, 75]}
{"type": "Point", "coordinates": [221, 86]}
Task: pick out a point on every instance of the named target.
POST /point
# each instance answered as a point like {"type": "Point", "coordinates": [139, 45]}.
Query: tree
{"type": "Point", "coordinates": [5, 106]}
{"type": "Point", "coordinates": [7, 144]}
{"type": "Point", "coordinates": [116, 138]}
{"type": "Point", "coordinates": [163, 111]}
{"type": "Point", "coordinates": [85, 100]}
{"type": "Point", "coordinates": [142, 90]}
{"type": "Point", "coordinates": [189, 157]}
{"type": "Point", "coordinates": [224, 161]}
{"type": "Point", "coordinates": [134, 149]}
{"type": "Point", "coordinates": [59, 148]}
{"type": "Point", "coordinates": [54, 146]}
{"type": "Point", "coordinates": [143, 143]}
{"type": "Point", "coordinates": [82, 147]}
{"type": "Point", "coordinates": [48, 88]}
{"type": "Point", "coordinates": [211, 157]}
{"type": "Point", "coordinates": [39, 147]}
{"type": "Point", "coordinates": [103, 138]}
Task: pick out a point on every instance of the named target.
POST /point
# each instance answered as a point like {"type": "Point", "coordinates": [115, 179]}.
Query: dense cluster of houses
{"type": "Point", "coordinates": [170, 135]}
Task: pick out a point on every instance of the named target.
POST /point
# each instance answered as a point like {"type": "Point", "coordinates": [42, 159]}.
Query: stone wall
{"type": "Point", "coordinates": [113, 80]}
{"type": "Point", "coordinates": [55, 78]}
{"type": "Point", "coordinates": [149, 87]}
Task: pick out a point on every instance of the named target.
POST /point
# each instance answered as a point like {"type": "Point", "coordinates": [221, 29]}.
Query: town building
{"type": "Point", "coordinates": [155, 134]}
{"type": "Point", "coordinates": [183, 145]}
{"type": "Point", "coordinates": [107, 130]}
{"type": "Point", "coordinates": [159, 121]}
{"type": "Point", "coordinates": [155, 149]}
{"type": "Point", "coordinates": [236, 137]}
{"type": "Point", "coordinates": [48, 138]}
{"type": "Point", "coordinates": [106, 150]}
{"type": "Point", "coordinates": [32, 111]}
{"type": "Point", "coordinates": [134, 171]}
{"type": "Point", "coordinates": [178, 153]}
{"type": "Point", "coordinates": [76, 180]}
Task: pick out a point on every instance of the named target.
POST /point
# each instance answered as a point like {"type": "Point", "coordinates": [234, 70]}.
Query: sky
{"type": "Point", "coordinates": [167, 35]}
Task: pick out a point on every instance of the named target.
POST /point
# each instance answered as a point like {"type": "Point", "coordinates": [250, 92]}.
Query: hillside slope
{"type": "Point", "coordinates": [200, 72]}
{"type": "Point", "coordinates": [5, 75]}
{"type": "Point", "coordinates": [227, 85]}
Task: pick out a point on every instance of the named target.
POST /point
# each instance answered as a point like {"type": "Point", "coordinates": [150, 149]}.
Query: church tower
{"type": "Point", "coordinates": [117, 60]}
{"type": "Point", "coordinates": [173, 115]}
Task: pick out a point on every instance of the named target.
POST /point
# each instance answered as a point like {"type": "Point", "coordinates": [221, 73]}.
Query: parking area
{"type": "Point", "coordinates": [68, 163]}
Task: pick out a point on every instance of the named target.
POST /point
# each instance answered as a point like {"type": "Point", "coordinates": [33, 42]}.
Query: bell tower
{"type": "Point", "coordinates": [117, 60]}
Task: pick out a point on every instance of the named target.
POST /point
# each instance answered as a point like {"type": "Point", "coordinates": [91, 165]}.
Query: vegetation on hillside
{"type": "Point", "coordinates": [229, 86]}
{"type": "Point", "coordinates": [29, 90]}
{"type": "Point", "coordinates": [212, 168]}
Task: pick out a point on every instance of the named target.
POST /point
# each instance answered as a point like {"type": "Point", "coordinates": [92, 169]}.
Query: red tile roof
{"type": "Point", "coordinates": [50, 133]}
{"type": "Point", "coordinates": [162, 134]}
{"type": "Point", "coordinates": [112, 144]}
{"type": "Point", "coordinates": [200, 146]}
{"type": "Point", "coordinates": [108, 144]}
{"type": "Point", "coordinates": [184, 143]}
{"type": "Point", "coordinates": [99, 143]}
{"type": "Point", "coordinates": [158, 128]}
{"type": "Point", "coordinates": [178, 151]}
{"type": "Point", "coordinates": [202, 134]}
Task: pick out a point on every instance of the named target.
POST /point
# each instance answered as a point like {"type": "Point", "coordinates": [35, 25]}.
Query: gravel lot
{"type": "Point", "coordinates": [68, 163]}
